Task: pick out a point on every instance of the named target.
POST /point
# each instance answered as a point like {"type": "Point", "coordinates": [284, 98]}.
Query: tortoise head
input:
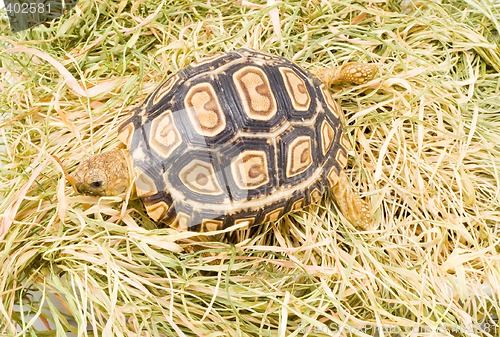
{"type": "Point", "coordinates": [104, 174]}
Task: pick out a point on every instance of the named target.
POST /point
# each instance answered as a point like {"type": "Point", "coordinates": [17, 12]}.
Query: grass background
{"type": "Point", "coordinates": [425, 153]}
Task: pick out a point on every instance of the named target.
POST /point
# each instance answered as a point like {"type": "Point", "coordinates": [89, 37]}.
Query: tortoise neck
{"type": "Point", "coordinates": [127, 158]}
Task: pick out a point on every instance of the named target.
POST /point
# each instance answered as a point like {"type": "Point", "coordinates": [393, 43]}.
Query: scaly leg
{"type": "Point", "coordinates": [352, 72]}
{"type": "Point", "coordinates": [351, 205]}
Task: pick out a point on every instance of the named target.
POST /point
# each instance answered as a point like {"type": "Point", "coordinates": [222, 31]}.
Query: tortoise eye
{"type": "Point", "coordinates": [96, 184]}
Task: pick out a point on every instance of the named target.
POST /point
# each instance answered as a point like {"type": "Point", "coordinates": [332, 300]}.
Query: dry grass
{"type": "Point", "coordinates": [425, 152]}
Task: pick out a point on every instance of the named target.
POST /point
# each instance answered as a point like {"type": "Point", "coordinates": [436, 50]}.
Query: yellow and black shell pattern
{"type": "Point", "coordinates": [240, 137]}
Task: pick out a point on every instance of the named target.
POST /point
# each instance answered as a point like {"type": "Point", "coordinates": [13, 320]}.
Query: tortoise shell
{"type": "Point", "coordinates": [239, 137]}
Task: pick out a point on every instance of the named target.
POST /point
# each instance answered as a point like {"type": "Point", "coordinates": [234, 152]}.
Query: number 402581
{"type": "Point", "coordinates": [27, 8]}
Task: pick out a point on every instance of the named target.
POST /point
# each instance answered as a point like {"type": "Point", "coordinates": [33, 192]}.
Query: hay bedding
{"type": "Point", "coordinates": [426, 154]}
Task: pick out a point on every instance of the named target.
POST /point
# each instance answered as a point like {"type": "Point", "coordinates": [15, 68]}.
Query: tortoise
{"type": "Point", "coordinates": [238, 138]}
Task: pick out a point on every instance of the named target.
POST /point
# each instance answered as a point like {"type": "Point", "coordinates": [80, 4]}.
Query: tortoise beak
{"type": "Point", "coordinates": [72, 182]}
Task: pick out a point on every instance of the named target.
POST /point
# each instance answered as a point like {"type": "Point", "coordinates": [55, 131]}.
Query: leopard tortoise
{"type": "Point", "coordinates": [239, 137]}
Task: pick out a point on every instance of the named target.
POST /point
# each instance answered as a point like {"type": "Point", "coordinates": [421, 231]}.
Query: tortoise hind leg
{"type": "Point", "coordinates": [351, 205]}
{"type": "Point", "coordinates": [352, 72]}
